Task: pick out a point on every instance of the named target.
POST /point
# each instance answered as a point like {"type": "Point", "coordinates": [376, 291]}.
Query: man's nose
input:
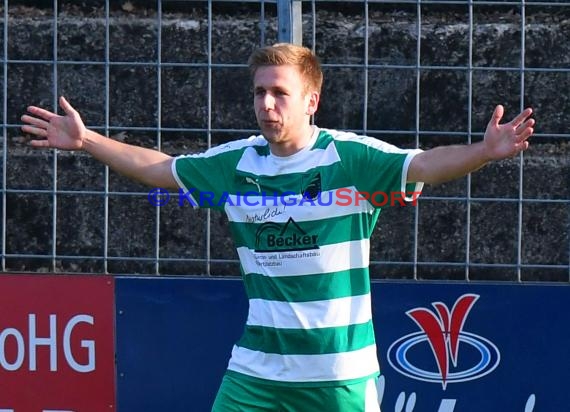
{"type": "Point", "coordinates": [268, 101]}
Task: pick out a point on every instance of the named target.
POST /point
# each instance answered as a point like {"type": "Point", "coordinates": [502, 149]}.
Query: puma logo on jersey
{"type": "Point", "coordinates": [253, 182]}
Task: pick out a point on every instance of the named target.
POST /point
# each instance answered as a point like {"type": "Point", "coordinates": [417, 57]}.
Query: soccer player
{"type": "Point", "coordinates": [308, 343]}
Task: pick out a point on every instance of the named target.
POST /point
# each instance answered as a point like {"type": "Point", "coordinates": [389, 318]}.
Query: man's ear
{"type": "Point", "coordinates": [313, 103]}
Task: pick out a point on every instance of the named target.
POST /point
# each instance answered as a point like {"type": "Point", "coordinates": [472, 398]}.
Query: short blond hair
{"type": "Point", "coordinates": [285, 53]}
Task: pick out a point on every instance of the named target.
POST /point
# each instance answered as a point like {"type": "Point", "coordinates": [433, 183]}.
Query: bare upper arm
{"type": "Point", "coordinates": [165, 174]}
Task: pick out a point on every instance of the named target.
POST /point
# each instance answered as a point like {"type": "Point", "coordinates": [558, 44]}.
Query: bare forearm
{"type": "Point", "coordinates": [445, 163]}
{"type": "Point", "coordinates": [501, 141]}
{"type": "Point", "coordinates": [147, 166]}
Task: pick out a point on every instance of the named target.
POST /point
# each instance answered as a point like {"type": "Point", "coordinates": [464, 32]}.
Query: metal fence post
{"type": "Point", "coordinates": [289, 21]}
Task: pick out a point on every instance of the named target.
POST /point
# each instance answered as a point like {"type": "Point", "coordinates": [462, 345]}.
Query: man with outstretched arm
{"type": "Point", "coordinates": [308, 342]}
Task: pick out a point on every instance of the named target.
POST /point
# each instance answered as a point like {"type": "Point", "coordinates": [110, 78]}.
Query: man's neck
{"type": "Point", "coordinates": [289, 148]}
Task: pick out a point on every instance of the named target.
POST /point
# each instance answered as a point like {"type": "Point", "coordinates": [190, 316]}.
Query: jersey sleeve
{"type": "Point", "coordinates": [204, 179]}
{"type": "Point", "coordinates": [378, 168]}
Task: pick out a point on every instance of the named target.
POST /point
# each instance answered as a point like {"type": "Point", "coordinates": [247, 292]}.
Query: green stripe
{"type": "Point", "coordinates": [296, 182]}
{"type": "Point", "coordinates": [308, 288]}
{"type": "Point", "coordinates": [214, 175]}
{"type": "Point", "coordinates": [262, 150]}
{"type": "Point", "coordinates": [332, 177]}
{"type": "Point", "coordinates": [330, 231]}
{"type": "Point", "coordinates": [359, 160]}
{"type": "Point", "coordinates": [308, 341]}
{"type": "Point", "coordinates": [323, 140]}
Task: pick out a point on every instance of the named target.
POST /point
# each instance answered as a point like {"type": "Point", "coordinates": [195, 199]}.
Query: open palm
{"type": "Point", "coordinates": [508, 139]}
{"type": "Point", "coordinates": [52, 130]}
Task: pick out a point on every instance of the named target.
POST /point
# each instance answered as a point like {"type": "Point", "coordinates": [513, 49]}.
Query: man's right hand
{"type": "Point", "coordinates": [52, 130]}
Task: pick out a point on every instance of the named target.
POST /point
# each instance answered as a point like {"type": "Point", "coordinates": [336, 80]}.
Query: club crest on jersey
{"type": "Point", "coordinates": [313, 189]}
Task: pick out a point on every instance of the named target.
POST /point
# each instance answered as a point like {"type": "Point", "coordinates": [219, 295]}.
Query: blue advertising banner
{"type": "Point", "coordinates": [174, 339]}
{"type": "Point", "coordinates": [443, 347]}
{"type": "Point", "coordinates": [447, 347]}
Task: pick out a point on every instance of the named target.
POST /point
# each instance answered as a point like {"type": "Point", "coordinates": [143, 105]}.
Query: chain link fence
{"type": "Point", "coordinates": [172, 75]}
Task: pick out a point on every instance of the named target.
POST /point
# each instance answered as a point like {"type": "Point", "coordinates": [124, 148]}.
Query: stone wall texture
{"type": "Point", "coordinates": [464, 72]}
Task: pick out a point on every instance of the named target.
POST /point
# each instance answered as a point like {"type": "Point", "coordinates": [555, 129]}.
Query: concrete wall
{"type": "Point", "coordinates": [340, 39]}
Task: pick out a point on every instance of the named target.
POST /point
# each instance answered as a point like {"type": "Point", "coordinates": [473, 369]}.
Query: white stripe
{"type": "Point", "coordinates": [308, 315]}
{"type": "Point", "coordinates": [300, 162]}
{"type": "Point", "coordinates": [226, 147]}
{"type": "Point", "coordinates": [305, 368]}
{"type": "Point", "coordinates": [386, 148]}
{"type": "Point", "coordinates": [419, 185]}
{"type": "Point", "coordinates": [366, 140]}
{"type": "Point", "coordinates": [175, 174]}
{"type": "Point", "coordinates": [327, 259]}
{"type": "Point", "coordinates": [230, 146]}
{"type": "Point", "coordinates": [371, 403]}
{"type": "Point", "coordinates": [344, 201]}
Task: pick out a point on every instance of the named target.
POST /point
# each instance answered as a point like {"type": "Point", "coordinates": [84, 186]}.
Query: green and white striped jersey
{"type": "Point", "coordinates": [302, 235]}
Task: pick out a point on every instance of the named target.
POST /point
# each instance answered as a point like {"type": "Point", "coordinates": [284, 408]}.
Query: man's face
{"type": "Point", "coordinates": [282, 106]}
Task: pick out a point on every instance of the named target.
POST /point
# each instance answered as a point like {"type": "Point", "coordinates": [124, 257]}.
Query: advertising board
{"type": "Point", "coordinates": [57, 343]}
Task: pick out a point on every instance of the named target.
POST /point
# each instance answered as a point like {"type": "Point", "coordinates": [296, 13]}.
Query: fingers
{"type": "Point", "coordinates": [35, 126]}
{"type": "Point", "coordinates": [522, 117]}
{"type": "Point", "coordinates": [520, 128]}
{"type": "Point", "coordinates": [39, 143]}
{"type": "Point", "coordinates": [525, 128]}
{"type": "Point", "coordinates": [42, 113]}
{"type": "Point", "coordinates": [497, 116]}
{"type": "Point", "coordinates": [525, 132]}
{"type": "Point", "coordinates": [67, 108]}
{"type": "Point", "coordinates": [47, 115]}
{"type": "Point", "coordinates": [499, 112]}
{"type": "Point", "coordinates": [520, 147]}
{"type": "Point", "coordinates": [528, 123]}
{"type": "Point", "coordinates": [36, 131]}
{"type": "Point", "coordinates": [35, 121]}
